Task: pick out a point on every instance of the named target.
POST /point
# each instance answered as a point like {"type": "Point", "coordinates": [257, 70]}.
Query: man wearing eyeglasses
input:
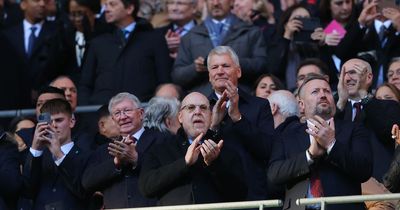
{"type": "Point", "coordinates": [244, 121]}
{"type": "Point", "coordinates": [114, 168]}
{"type": "Point", "coordinates": [194, 166]}
{"type": "Point", "coordinates": [393, 75]}
{"type": "Point", "coordinates": [356, 104]}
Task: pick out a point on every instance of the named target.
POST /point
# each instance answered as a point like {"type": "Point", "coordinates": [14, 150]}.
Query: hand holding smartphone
{"type": "Point", "coordinates": [45, 118]}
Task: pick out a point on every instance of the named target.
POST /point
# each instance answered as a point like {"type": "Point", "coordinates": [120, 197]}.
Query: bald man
{"type": "Point", "coordinates": [358, 105]}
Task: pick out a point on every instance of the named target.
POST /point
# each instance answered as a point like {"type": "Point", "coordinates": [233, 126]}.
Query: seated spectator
{"type": "Point", "coordinates": [108, 129]}
{"type": "Point", "coordinates": [283, 105]}
{"type": "Point", "coordinates": [169, 90]}
{"type": "Point", "coordinates": [66, 84]}
{"type": "Point", "coordinates": [284, 52]}
{"type": "Point", "coordinates": [54, 164]}
{"type": "Point", "coordinates": [193, 167]}
{"type": "Point", "coordinates": [267, 84]}
{"type": "Point", "coordinates": [388, 91]}
{"type": "Point", "coordinates": [162, 114]}
{"type": "Point", "coordinates": [393, 73]}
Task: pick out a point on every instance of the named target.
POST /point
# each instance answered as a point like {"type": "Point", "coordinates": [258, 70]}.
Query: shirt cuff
{"type": "Point", "coordinates": [35, 153]}
{"type": "Point", "coordinates": [309, 159]}
{"type": "Point", "coordinates": [59, 161]}
{"type": "Point", "coordinates": [330, 146]}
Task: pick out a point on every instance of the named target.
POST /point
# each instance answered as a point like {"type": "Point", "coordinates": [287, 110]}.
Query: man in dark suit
{"type": "Point", "coordinates": [10, 175]}
{"type": "Point", "coordinates": [114, 168]}
{"type": "Point", "coordinates": [245, 122]}
{"type": "Point", "coordinates": [131, 59]}
{"type": "Point", "coordinates": [357, 105]}
{"type": "Point", "coordinates": [374, 33]}
{"type": "Point", "coordinates": [54, 166]}
{"type": "Point", "coordinates": [220, 27]}
{"type": "Point", "coordinates": [181, 14]}
{"type": "Point", "coordinates": [194, 166]}
{"type": "Point", "coordinates": [325, 157]}
{"type": "Point", "coordinates": [39, 47]}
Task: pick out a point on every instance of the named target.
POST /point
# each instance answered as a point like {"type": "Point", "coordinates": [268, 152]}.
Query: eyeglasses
{"type": "Point", "coordinates": [126, 112]}
{"type": "Point", "coordinates": [192, 107]}
{"type": "Point", "coordinates": [391, 73]}
{"type": "Point", "coordinates": [178, 3]}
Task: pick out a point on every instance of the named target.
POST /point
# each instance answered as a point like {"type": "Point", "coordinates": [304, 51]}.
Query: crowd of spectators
{"type": "Point", "coordinates": [245, 100]}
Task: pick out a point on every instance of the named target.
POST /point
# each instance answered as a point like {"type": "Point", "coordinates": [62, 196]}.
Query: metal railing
{"type": "Point", "coordinates": [31, 112]}
{"type": "Point", "coordinates": [230, 205]}
{"type": "Point", "coordinates": [346, 199]}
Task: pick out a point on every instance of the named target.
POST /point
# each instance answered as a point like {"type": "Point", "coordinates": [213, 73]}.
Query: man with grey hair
{"type": "Point", "coordinates": [358, 105]}
{"type": "Point", "coordinates": [283, 105]}
{"type": "Point", "coordinates": [162, 114]}
{"type": "Point", "coordinates": [244, 121]}
{"type": "Point", "coordinates": [114, 168]}
{"type": "Point", "coordinates": [219, 28]}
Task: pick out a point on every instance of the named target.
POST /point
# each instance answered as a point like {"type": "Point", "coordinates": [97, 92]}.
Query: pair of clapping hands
{"type": "Point", "coordinates": [124, 151]}
{"type": "Point", "coordinates": [323, 133]}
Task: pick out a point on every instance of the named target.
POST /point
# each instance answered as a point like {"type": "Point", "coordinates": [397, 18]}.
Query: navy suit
{"type": "Point", "coordinates": [56, 187]}
{"type": "Point", "coordinates": [348, 164]}
{"type": "Point", "coordinates": [378, 116]}
{"type": "Point", "coordinates": [120, 187]}
{"type": "Point", "coordinates": [10, 175]}
{"type": "Point", "coordinates": [251, 138]}
{"type": "Point", "coordinates": [113, 65]}
{"type": "Point", "coordinates": [166, 176]}
{"type": "Point", "coordinates": [48, 56]}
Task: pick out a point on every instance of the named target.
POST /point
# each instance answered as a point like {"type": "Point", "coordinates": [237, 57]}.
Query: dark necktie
{"type": "Point", "coordinates": [357, 106]}
{"type": "Point", "coordinates": [382, 34]}
{"type": "Point", "coordinates": [31, 40]}
{"type": "Point", "coordinates": [126, 33]}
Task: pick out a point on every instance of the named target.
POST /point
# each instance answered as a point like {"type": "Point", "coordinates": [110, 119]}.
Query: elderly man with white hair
{"type": "Point", "coordinates": [283, 105]}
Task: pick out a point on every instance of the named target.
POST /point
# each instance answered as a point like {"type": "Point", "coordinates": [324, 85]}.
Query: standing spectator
{"type": "Point", "coordinates": [193, 167]}
{"type": "Point", "coordinates": [356, 104]}
{"type": "Point", "coordinates": [182, 20]}
{"type": "Point", "coordinates": [220, 28]}
{"type": "Point", "coordinates": [325, 157]}
{"type": "Point", "coordinates": [244, 121]}
{"type": "Point", "coordinates": [114, 168]}
{"type": "Point", "coordinates": [393, 73]}
{"type": "Point", "coordinates": [162, 114]}
{"type": "Point", "coordinates": [267, 84]}
{"type": "Point", "coordinates": [54, 164]}
{"type": "Point", "coordinates": [11, 180]}
{"type": "Point", "coordinates": [133, 58]}
{"type": "Point", "coordinates": [283, 105]}
{"type": "Point", "coordinates": [39, 46]}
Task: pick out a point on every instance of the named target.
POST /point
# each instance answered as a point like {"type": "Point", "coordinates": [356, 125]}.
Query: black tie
{"type": "Point", "coordinates": [31, 41]}
{"type": "Point", "coordinates": [357, 117]}
{"type": "Point", "coordinates": [382, 34]}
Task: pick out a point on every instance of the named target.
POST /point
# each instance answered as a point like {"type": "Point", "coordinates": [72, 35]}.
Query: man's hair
{"type": "Point", "coordinates": [309, 78]}
{"type": "Point", "coordinates": [178, 89]}
{"type": "Point", "coordinates": [323, 68]}
{"type": "Point", "coordinates": [287, 105]}
{"type": "Point", "coordinates": [122, 96]}
{"type": "Point", "coordinates": [50, 89]}
{"type": "Point", "coordinates": [158, 110]}
{"type": "Point", "coordinates": [56, 106]}
{"type": "Point", "coordinates": [221, 50]}
{"type": "Point", "coordinates": [61, 77]}
{"type": "Point", "coordinates": [135, 4]}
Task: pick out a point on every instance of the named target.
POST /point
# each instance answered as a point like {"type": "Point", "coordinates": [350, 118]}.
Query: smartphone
{"type": "Point", "coordinates": [45, 117]}
{"type": "Point", "coordinates": [309, 25]}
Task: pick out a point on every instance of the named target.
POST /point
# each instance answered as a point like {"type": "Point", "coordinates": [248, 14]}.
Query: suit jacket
{"type": "Point", "coordinates": [120, 187]}
{"type": "Point", "coordinates": [10, 175]}
{"type": "Point", "coordinates": [363, 40]}
{"type": "Point", "coordinates": [166, 176]}
{"type": "Point", "coordinates": [342, 171]}
{"type": "Point", "coordinates": [245, 39]}
{"type": "Point", "coordinates": [48, 57]}
{"type": "Point", "coordinates": [378, 116]}
{"type": "Point", "coordinates": [56, 187]}
{"type": "Point", "coordinates": [391, 178]}
{"type": "Point", "coordinates": [251, 138]}
{"type": "Point", "coordinates": [115, 65]}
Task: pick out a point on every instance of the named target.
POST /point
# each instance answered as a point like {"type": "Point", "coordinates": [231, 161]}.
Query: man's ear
{"type": "Point", "coordinates": [72, 121]}
{"type": "Point", "coordinates": [130, 9]}
{"type": "Point", "coordinates": [274, 108]}
{"type": "Point", "coordinates": [300, 102]}
{"type": "Point", "coordinates": [22, 5]}
{"type": "Point", "coordinates": [369, 79]}
{"type": "Point", "coordinates": [180, 117]}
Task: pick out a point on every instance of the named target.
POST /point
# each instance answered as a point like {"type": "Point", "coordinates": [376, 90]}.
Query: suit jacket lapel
{"type": "Point", "coordinates": [145, 141]}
